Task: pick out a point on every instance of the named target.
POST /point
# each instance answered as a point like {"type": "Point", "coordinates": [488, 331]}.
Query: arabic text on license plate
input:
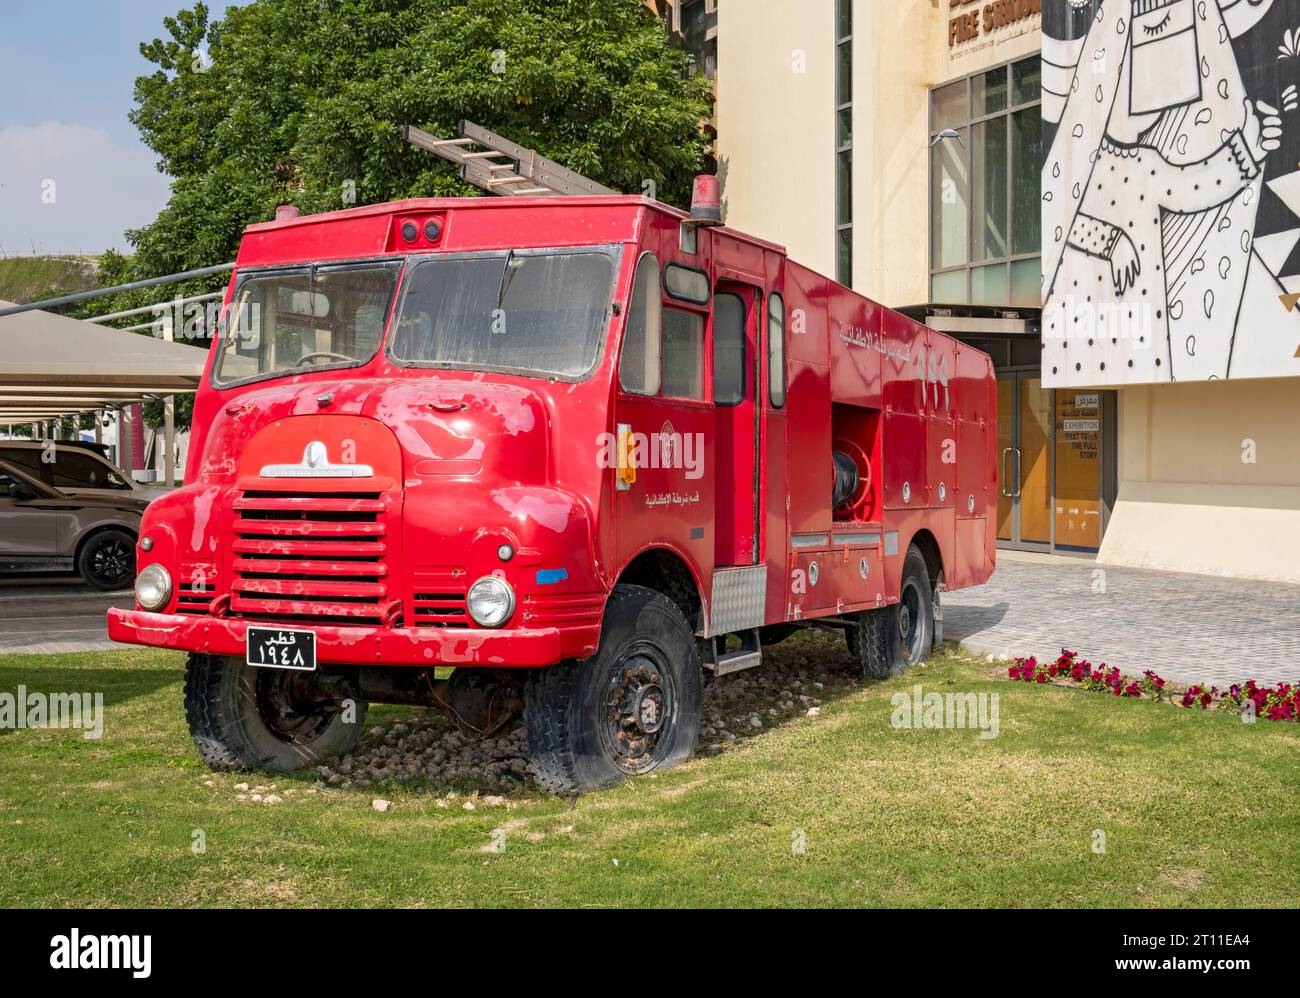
{"type": "Point", "coordinates": [278, 648]}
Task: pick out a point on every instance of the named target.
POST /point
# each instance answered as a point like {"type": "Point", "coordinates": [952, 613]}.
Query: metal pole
{"type": "Point", "coordinates": [125, 457]}
{"type": "Point", "coordinates": [169, 440]}
{"type": "Point", "coordinates": [151, 282]}
{"type": "Point", "coordinates": [151, 308]}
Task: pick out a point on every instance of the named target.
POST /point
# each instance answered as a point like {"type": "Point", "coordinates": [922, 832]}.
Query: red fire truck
{"type": "Point", "coordinates": [584, 451]}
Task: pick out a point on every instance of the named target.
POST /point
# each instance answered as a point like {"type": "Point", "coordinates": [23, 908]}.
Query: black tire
{"type": "Point", "coordinates": [884, 642]}
{"type": "Point", "coordinates": [243, 717]}
{"type": "Point", "coordinates": [631, 708]}
{"type": "Point", "coordinates": [106, 560]}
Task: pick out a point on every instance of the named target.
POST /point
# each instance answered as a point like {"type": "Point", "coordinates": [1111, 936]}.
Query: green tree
{"type": "Point", "coordinates": [303, 101]}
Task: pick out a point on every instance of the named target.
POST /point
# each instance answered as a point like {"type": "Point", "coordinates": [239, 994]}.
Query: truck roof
{"type": "Point", "coordinates": [496, 204]}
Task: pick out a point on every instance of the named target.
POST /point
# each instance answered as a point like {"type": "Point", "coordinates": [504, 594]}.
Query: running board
{"type": "Point", "coordinates": [747, 656]}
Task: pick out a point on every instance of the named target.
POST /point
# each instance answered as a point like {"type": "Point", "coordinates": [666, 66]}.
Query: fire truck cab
{"type": "Point", "coordinates": [583, 451]}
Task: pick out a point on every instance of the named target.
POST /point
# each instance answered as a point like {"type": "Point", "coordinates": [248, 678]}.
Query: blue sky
{"type": "Point", "coordinates": [67, 70]}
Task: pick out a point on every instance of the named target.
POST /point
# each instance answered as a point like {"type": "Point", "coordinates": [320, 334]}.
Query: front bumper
{"type": "Point", "coordinates": [413, 646]}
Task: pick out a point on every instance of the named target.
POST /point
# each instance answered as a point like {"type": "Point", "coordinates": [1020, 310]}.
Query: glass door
{"type": "Point", "coordinates": [1024, 461]}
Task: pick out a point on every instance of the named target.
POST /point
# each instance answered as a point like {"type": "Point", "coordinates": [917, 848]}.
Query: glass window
{"type": "Point", "coordinates": [989, 189]}
{"type": "Point", "coordinates": [683, 354]}
{"type": "Point", "coordinates": [950, 108]}
{"type": "Point", "coordinates": [638, 367]}
{"type": "Point", "coordinates": [1026, 282]}
{"type": "Point", "coordinates": [27, 459]}
{"type": "Point", "coordinates": [1027, 76]}
{"type": "Point", "coordinates": [1026, 182]}
{"type": "Point", "coordinates": [291, 322]}
{"type": "Point", "coordinates": [844, 188]}
{"type": "Point", "coordinates": [949, 288]}
{"type": "Point", "coordinates": [696, 24]}
{"type": "Point", "coordinates": [776, 350]}
{"type": "Point", "coordinates": [728, 349]}
{"type": "Point", "coordinates": [534, 313]}
{"type": "Point", "coordinates": [687, 284]}
{"type": "Point", "coordinates": [951, 198]}
{"type": "Point", "coordinates": [843, 18]}
{"type": "Point", "coordinates": [989, 92]}
{"type": "Point", "coordinates": [985, 189]}
{"type": "Point", "coordinates": [844, 73]}
{"type": "Point", "coordinates": [74, 469]}
{"type": "Point", "coordinates": [12, 488]}
{"type": "Point", "coordinates": [988, 285]}
{"type": "Point", "coordinates": [844, 142]}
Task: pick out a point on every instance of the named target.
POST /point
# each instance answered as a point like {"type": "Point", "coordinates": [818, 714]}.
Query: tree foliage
{"type": "Point", "coordinates": [303, 101]}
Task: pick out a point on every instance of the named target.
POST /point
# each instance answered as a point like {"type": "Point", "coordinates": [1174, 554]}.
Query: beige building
{"type": "Point", "coordinates": [900, 147]}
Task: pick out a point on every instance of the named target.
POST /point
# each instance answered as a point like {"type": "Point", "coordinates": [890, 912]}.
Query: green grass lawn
{"type": "Point", "coordinates": [1197, 809]}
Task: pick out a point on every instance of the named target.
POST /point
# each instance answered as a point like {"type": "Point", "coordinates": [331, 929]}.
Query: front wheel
{"type": "Point", "coordinates": [245, 717]}
{"type": "Point", "coordinates": [632, 708]}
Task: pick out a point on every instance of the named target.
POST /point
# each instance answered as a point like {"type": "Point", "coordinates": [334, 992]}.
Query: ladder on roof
{"type": "Point", "coordinates": [499, 166]}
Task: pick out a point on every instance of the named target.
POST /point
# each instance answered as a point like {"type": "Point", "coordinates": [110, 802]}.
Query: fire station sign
{"type": "Point", "coordinates": [970, 20]}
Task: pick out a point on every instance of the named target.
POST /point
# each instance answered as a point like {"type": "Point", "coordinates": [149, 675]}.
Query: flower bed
{"type": "Point", "coordinates": [1280, 703]}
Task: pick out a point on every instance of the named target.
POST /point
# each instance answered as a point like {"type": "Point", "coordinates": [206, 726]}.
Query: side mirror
{"type": "Point", "coordinates": [22, 493]}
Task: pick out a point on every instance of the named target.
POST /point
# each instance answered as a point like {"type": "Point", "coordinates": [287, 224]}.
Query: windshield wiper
{"type": "Point", "coordinates": [507, 275]}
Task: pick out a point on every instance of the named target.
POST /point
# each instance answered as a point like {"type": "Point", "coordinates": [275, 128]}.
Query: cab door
{"type": "Point", "coordinates": [735, 399]}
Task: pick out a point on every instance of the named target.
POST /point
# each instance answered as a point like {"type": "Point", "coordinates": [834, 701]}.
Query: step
{"type": "Point", "coordinates": [747, 656]}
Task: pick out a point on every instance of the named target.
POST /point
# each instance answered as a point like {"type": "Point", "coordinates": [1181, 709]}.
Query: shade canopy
{"type": "Point", "coordinates": [52, 365]}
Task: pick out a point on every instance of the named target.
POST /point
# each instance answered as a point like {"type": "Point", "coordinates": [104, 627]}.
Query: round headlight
{"type": "Point", "coordinates": [153, 588]}
{"type": "Point", "coordinates": [490, 601]}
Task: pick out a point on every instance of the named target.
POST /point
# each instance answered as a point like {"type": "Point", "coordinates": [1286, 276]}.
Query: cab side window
{"type": "Point", "coordinates": [683, 354]}
{"type": "Point", "coordinates": [663, 346]}
{"type": "Point", "coordinates": [728, 349]}
{"type": "Point", "coordinates": [776, 350]}
{"type": "Point", "coordinates": [639, 366]}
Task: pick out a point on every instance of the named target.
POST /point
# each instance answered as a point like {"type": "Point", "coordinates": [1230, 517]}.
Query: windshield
{"type": "Point", "coordinates": [525, 311]}
{"type": "Point", "coordinates": [306, 319]}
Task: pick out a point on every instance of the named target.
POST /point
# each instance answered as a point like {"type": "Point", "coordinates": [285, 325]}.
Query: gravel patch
{"type": "Point", "coordinates": [427, 752]}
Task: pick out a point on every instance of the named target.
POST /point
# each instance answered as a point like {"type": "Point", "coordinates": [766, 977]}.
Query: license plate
{"type": "Point", "coordinates": [281, 648]}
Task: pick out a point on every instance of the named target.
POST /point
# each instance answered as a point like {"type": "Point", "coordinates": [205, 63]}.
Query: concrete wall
{"type": "Point", "coordinates": [775, 115]}
{"type": "Point", "coordinates": [896, 61]}
{"type": "Point", "coordinates": [1209, 479]}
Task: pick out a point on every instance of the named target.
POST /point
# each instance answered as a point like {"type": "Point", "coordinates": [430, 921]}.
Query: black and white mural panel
{"type": "Point", "coordinates": [1171, 190]}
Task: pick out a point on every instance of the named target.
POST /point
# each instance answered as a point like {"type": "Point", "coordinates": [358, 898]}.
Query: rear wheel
{"type": "Point", "coordinates": [632, 708]}
{"type": "Point", "coordinates": [244, 717]}
{"type": "Point", "coordinates": [107, 560]}
{"type": "Point", "coordinates": [887, 641]}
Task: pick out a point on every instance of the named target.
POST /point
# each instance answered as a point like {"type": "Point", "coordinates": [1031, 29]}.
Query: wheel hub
{"type": "Point", "coordinates": [648, 708]}
{"type": "Point", "coordinates": [112, 563]}
{"type": "Point", "coordinates": [639, 713]}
